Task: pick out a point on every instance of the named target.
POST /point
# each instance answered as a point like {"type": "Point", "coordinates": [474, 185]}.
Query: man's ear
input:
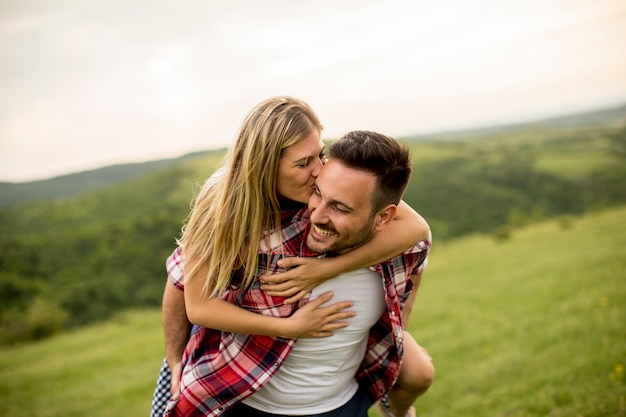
{"type": "Point", "coordinates": [384, 217]}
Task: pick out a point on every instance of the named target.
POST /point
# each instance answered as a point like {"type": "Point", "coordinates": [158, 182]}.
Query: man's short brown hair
{"type": "Point", "coordinates": [384, 157]}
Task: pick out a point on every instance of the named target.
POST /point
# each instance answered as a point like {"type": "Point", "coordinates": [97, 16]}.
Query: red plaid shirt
{"type": "Point", "coordinates": [220, 369]}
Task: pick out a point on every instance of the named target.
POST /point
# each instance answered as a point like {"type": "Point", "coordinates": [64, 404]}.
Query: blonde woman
{"type": "Point", "coordinates": [267, 174]}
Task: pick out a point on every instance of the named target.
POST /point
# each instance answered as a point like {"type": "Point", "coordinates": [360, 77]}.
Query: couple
{"type": "Point", "coordinates": [275, 166]}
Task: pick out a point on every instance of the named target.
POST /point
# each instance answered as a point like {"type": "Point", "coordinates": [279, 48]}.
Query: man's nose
{"type": "Point", "coordinates": [318, 214]}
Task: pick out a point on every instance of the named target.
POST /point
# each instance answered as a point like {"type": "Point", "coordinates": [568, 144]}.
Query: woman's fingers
{"type": "Point", "coordinates": [296, 297]}
{"type": "Point", "coordinates": [290, 262]}
{"type": "Point", "coordinates": [320, 319]}
{"type": "Point", "coordinates": [319, 300]}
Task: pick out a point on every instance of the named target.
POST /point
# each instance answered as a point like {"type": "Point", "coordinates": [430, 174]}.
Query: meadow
{"type": "Point", "coordinates": [68, 261]}
{"type": "Point", "coordinates": [532, 325]}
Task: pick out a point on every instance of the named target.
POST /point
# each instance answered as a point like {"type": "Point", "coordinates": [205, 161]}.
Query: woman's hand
{"type": "Point", "coordinates": [313, 320]}
{"type": "Point", "coordinates": [304, 275]}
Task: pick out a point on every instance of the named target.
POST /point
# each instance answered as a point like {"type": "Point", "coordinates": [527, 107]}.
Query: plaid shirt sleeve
{"type": "Point", "coordinates": [381, 365]}
{"type": "Point", "coordinates": [293, 221]}
{"type": "Point", "coordinates": [175, 268]}
{"type": "Point", "coordinates": [220, 369]}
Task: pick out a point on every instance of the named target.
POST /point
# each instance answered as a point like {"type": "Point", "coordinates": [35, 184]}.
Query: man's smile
{"type": "Point", "coordinates": [323, 232]}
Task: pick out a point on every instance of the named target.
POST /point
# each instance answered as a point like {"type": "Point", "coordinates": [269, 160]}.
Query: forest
{"type": "Point", "coordinates": [72, 259]}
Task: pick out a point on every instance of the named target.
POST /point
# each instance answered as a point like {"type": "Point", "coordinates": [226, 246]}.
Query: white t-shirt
{"type": "Point", "coordinates": [318, 375]}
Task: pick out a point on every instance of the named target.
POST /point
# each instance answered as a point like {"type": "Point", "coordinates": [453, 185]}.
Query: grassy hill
{"type": "Point", "coordinates": [531, 326]}
{"type": "Point", "coordinates": [478, 184]}
{"type": "Point", "coordinates": [79, 183]}
{"type": "Point", "coordinates": [66, 262]}
{"type": "Point", "coordinates": [610, 116]}
{"type": "Point", "coordinates": [83, 182]}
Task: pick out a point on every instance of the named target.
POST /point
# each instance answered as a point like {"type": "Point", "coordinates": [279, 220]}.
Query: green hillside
{"type": "Point", "coordinates": [12, 193]}
{"type": "Point", "coordinates": [479, 184]}
{"type": "Point", "coordinates": [66, 262]}
{"type": "Point", "coordinates": [532, 326]}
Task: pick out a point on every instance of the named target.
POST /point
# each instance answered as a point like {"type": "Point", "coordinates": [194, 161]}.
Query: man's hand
{"type": "Point", "coordinates": [302, 276]}
{"type": "Point", "coordinates": [175, 369]}
{"type": "Point", "coordinates": [176, 328]}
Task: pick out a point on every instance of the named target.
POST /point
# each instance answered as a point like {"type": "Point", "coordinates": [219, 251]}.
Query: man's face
{"type": "Point", "coordinates": [341, 209]}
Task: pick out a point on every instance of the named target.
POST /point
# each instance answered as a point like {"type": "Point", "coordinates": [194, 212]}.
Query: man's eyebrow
{"type": "Point", "coordinates": [335, 202]}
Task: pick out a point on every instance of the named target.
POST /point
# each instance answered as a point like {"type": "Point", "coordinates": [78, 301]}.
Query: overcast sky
{"type": "Point", "coordinates": [89, 83]}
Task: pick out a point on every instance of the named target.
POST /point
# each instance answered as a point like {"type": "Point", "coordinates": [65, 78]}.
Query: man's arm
{"type": "Point", "coordinates": [176, 327]}
{"type": "Point", "coordinates": [408, 306]}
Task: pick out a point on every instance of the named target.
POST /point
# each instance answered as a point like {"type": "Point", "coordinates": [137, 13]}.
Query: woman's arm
{"type": "Point", "coordinates": [407, 229]}
{"type": "Point", "coordinates": [311, 320]}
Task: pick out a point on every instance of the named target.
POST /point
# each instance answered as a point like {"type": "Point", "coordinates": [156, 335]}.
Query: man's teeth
{"type": "Point", "coordinates": [323, 232]}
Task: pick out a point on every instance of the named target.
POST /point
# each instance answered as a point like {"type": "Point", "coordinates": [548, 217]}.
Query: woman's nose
{"type": "Point", "coordinates": [318, 165]}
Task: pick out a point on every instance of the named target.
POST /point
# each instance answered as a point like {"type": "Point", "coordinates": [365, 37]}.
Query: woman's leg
{"type": "Point", "coordinates": [416, 376]}
{"type": "Point", "coordinates": [162, 392]}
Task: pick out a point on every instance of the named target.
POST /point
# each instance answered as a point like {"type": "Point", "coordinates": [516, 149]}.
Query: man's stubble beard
{"type": "Point", "coordinates": [342, 244]}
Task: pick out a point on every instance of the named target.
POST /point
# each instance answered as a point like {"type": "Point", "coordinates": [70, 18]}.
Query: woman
{"type": "Point", "coordinates": [270, 170]}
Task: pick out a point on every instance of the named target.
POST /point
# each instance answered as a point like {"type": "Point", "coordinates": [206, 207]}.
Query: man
{"type": "Point", "coordinates": [356, 196]}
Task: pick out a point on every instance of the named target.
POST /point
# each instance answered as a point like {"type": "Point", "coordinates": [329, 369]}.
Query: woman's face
{"type": "Point", "coordinates": [298, 167]}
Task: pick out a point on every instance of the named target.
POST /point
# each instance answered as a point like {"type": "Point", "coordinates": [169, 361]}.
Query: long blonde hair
{"type": "Point", "coordinates": [239, 202]}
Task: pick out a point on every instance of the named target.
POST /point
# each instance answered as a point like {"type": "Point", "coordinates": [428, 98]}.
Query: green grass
{"type": "Point", "coordinates": [105, 370]}
{"type": "Point", "coordinates": [532, 326]}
